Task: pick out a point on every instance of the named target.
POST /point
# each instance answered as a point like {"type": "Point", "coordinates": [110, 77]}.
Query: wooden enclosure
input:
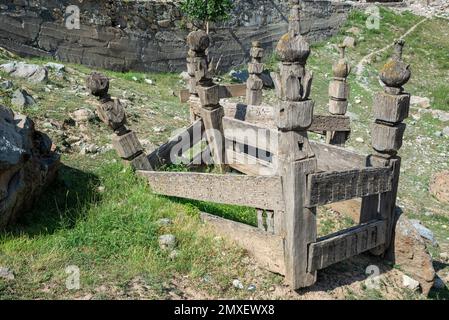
{"type": "Point", "coordinates": [266, 160]}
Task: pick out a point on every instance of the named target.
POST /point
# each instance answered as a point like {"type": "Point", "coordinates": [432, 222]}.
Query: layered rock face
{"type": "Point", "coordinates": [27, 164]}
{"type": "Point", "coordinates": [150, 35]}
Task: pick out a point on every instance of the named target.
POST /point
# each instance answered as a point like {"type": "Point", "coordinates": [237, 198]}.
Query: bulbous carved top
{"type": "Point", "coordinates": [97, 84]}
{"type": "Point", "coordinates": [395, 73]}
{"type": "Point", "coordinates": [198, 41]}
{"type": "Point", "coordinates": [293, 49]}
{"type": "Point", "coordinates": [341, 68]}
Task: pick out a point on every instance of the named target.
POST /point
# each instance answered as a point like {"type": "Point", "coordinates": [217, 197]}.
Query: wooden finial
{"type": "Point", "coordinates": [395, 73]}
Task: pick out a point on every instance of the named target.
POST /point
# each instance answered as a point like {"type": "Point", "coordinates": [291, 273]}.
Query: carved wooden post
{"type": "Point", "coordinates": [112, 113]}
{"type": "Point", "coordinates": [338, 96]}
{"type": "Point", "coordinates": [212, 112]}
{"type": "Point", "coordinates": [391, 107]}
{"type": "Point", "coordinates": [192, 83]}
{"type": "Point", "coordinates": [254, 85]}
{"type": "Point", "coordinates": [293, 116]}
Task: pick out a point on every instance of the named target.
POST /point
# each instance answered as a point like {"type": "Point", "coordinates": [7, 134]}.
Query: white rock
{"type": "Point", "coordinates": [21, 99]}
{"type": "Point", "coordinates": [167, 242]}
{"type": "Point", "coordinates": [420, 102]}
{"type": "Point", "coordinates": [251, 287]}
{"type": "Point", "coordinates": [173, 255]}
{"type": "Point", "coordinates": [237, 284]}
{"type": "Point", "coordinates": [149, 81]}
{"type": "Point", "coordinates": [164, 222]}
{"type": "Point", "coordinates": [6, 273]}
{"type": "Point", "coordinates": [83, 115]}
{"type": "Point", "coordinates": [360, 140]}
{"type": "Point", "coordinates": [410, 283]}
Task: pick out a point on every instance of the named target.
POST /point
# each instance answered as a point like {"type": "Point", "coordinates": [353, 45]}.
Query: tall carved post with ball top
{"type": "Point", "coordinates": [338, 96]}
{"type": "Point", "coordinates": [254, 84]}
{"type": "Point", "coordinates": [293, 115]}
{"type": "Point", "coordinates": [391, 107]}
{"type": "Point", "coordinates": [212, 112]}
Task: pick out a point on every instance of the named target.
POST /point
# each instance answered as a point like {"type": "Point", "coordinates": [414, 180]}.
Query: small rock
{"type": "Point", "coordinates": [58, 67]}
{"type": "Point", "coordinates": [354, 30]}
{"type": "Point", "coordinates": [438, 134]}
{"type": "Point", "coordinates": [158, 129]}
{"type": "Point", "coordinates": [164, 222]}
{"type": "Point", "coordinates": [423, 231]}
{"type": "Point", "coordinates": [439, 284]}
{"type": "Point", "coordinates": [83, 115]}
{"type": "Point", "coordinates": [134, 78]}
{"type": "Point", "coordinates": [444, 256]}
{"type": "Point", "coordinates": [237, 284]}
{"type": "Point", "coordinates": [358, 101]}
{"type": "Point", "coordinates": [349, 42]}
{"type": "Point", "coordinates": [360, 140]}
{"type": "Point", "coordinates": [22, 99]}
{"type": "Point", "coordinates": [167, 242]}
{"type": "Point", "coordinates": [173, 255]}
{"type": "Point", "coordinates": [420, 102]}
{"type": "Point", "coordinates": [410, 283]}
{"type": "Point", "coordinates": [446, 132]}
{"type": "Point", "coordinates": [6, 85]}
{"type": "Point", "coordinates": [149, 81]}
{"type": "Point", "coordinates": [89, 149]}
{"type": "Point", "coordinates": [6, 273]}
{"type": "Point", "coordinates": [439, 186]}
{"type": "Point", "coordinates": [101, 189]}
{"type": "Point", "coordinates": [251, 288]}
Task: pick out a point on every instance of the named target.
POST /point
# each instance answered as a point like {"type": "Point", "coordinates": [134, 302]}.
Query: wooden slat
{"type": "Point", "coordinates": [250, 134]}
{"type": "Point", "coordinates": [161, 155]}
{"type": "Point", "coordinates": [226, 91]}
{"type": "Point", "coordinates": [252, 191]}
{"type": "Point", "coordinates": [330, 123]}
{"type": "Point", "coordinates": [266, 248]}
{"type": "Point", "coordinates": [249, 165]}
{"type": "Point", "coordinates": [345, 244]}
{"type": "Point", "coordinates": [333, 158]}
{"type": "Point", "coordinates": [329, 187]}
{"type": "Point", "coordinates": [262, 115]}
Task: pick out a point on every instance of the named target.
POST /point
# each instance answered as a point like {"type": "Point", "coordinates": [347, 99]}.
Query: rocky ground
{"type": "Point", "coordinates": [118, 222]}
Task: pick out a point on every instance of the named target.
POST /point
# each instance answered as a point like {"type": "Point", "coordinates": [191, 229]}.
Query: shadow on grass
{"type": "Point", "coordinates": [61, 205]}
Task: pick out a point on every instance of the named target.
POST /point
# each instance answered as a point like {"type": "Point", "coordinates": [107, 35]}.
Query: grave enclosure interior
{"type": "Point", "coordinates": [267, 162]}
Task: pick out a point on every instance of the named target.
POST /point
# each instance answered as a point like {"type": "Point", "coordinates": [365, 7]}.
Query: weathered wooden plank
{"type": "Point", "coordinates": [262, 114]}
{"type": "Point", "coordinates": [329, 187]}
{"type": "Point", "coordinates": [265, 247]}
{"type": "Point", "coordinates": [250, 134]}
{"type": "Point", "coordinates": [333, 158]}
{"type": "Point", "coordinates": [225, 91]}
{"type": "Point", "coordinates": [249, 165]}
{"type": "Point", "coordinates": [182, 141]}
{"type": "Point", "coordinates": [345, 244]}
{"type": "Point", "coordinates": [330, 123]}
{"type": "Point", "coordinates": [259, 191]}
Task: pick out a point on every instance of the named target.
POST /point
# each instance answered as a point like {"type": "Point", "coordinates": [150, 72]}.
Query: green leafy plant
{"type": "Point", "coordinates": [202, 12]}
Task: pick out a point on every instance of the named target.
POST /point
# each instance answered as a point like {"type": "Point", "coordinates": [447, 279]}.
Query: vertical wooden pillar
{"type": "Point", "coordinates": [338, 96]}
{"type": "Point", "coordinates": [212, 112]}
{"type": "Point", "coordinates": [293, 116]}
{"type": "Point", "coordinates": [391, 107]}
{"type": "Point", "coordinates": [191, 85]}
{"type": "Point", "coordinates": [254, 84]}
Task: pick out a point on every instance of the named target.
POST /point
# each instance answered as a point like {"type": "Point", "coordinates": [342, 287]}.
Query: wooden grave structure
{"type": "Point", "coordinates": [267, 162]}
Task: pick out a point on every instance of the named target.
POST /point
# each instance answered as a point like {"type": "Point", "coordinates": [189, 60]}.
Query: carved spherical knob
{"type": "Point", "coordinates": [395, 73]}
{"type": "Point", "coordinates": [293, 49]}
{"type": "Point", "coordinates": [198, 41]}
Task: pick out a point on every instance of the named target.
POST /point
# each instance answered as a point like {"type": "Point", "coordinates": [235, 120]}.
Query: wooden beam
{"type": "Point", "coordinates": [265, 247]}
{"type": "Point", "coordinates": [345, 244]}
{"type": "Point", "coordinates": [184, 140]}
{"type": "Point", "coordinates": [333, 158]}
{"type": "Point", "coordinates": [250, 191]}
{"type": "Point", "coordinates": [330, 123]}
{"type": "Point", "coordinates": [225, 91]}
{"type": "Point", "coordinates": [249, 165]}
{"type": "Point", "coordinates": [263, 115]}
{"type": "Point", "coordinates": [249, 134]}
{"type": "Point", "coordinates": [329, 187]}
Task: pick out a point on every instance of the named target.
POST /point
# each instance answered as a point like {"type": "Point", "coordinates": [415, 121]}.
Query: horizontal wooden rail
{"type": "Point", "coordinates": [330, 123]}
{"type": "Point", "coordinates": [189, 137]}
{"type": "Point", "coordinates": [261, 192]}
{"type": "Point", "coordinates": [250, 134]}
{"type": "Point", "coordinates": [266, 248]}
{"type": "Point", "coordinates": [329, 187]}
{"type": "Point", "coordinates": [345, 244]}
{"type": "Point", "coordinates": [248, 164]}
{"type": "Point", "coordinates": [226, 91]}
{"type": "Point", "coordinates": [333, 158]}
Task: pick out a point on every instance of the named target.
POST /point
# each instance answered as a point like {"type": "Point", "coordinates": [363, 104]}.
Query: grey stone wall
{"type": "Point", "coordinates": [150, 35]}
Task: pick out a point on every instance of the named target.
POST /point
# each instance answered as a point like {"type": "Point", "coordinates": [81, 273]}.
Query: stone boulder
{"type": "Point", "coordinates": [439, 186]}
{"type": "Point", "coordinates": [410, 253]}
{"type": "Point", "coordinates": [32, 72]}
{"type": "Point", "coordinates": [27, 164]}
